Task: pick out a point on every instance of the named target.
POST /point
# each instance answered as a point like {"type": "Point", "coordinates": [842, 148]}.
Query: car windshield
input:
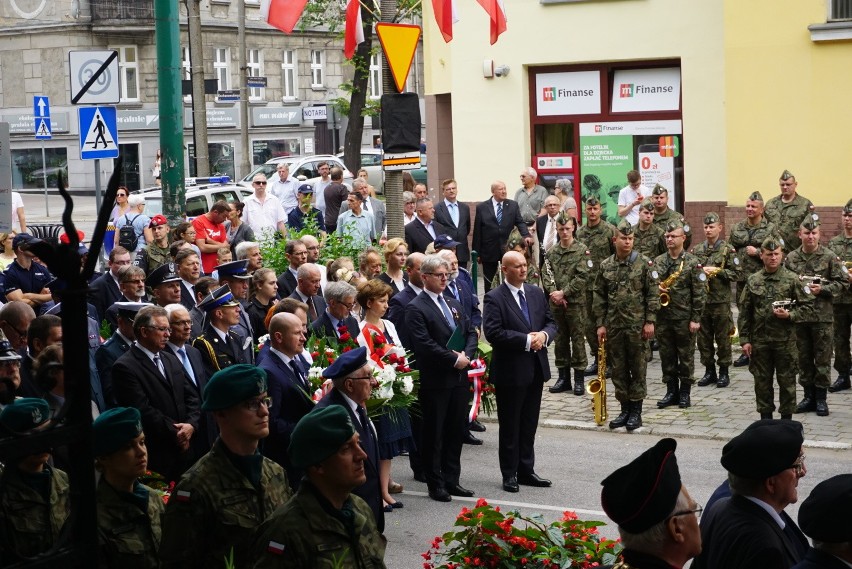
{"type": "Point", "coordinates": [265, 169]}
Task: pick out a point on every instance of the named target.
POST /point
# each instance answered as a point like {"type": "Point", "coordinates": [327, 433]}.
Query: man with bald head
{"type": "Point", "coordinates": [495, 219]}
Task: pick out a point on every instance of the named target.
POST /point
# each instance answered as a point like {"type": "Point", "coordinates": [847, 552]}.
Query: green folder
{"type": "Point", "coordinates": [457, 341]}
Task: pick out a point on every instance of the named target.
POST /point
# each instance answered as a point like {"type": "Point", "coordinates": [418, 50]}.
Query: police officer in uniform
{"type": "Point", "coordinates": [626, 300]}
{"type": "Point", "coordinates": [565, 272]}
{"type": "Point", "coordinates": [679, 318]}
{"type": "Point", "coordinates": [767, 334]}
{"type": "Point", "coordinates": [721, 267]}
{"type": "Point", "coordinates": [842, 245]}
{"type": "Point", "coordinates": [235, 274]}
{"type": "Point", "coordinates": [788, 210]}
{"type": "Point", "coordinates": [220, 346]}
{"type": "Point", "coordinates": [825, 280]}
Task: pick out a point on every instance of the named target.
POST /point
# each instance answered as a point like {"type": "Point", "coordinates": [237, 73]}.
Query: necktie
{"type": "Point", "coordinates": [159, 363]}
{"type": "Point", "coordinates": [294, 365]}
{"type": "Point", "coordinates": [365, 423]}
{"type": "Point", "coordinates": [499, 213]}
{"type": "Point", "coordinates": [454, 212]}
{"type": "Point", "coordinates": [312, 311]}
{"type": "Point", "coordinates": [186, 365]}
{"type": "Point", "coordinates": [446, 310]}
{"type": "Point", "coordinates": [551, 238]}
{"type": "Point", "coordinates": [524, 308]}
{"type": "Point", "coordinates": [455, 290]}
{"type": "Point", "coordinates": [366, 207]}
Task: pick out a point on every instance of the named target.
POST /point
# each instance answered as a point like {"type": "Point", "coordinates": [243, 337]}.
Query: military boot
{"type": "Point", "coordinates": [621, 419]}
{"type": "Point", "coordinates": [592, 369]}
{"type": "Point", "coordinates": [579, 381]}
{"type": "Point", "coordinates": [684, 401]}
{"type": "Point", "coordinates": [808, 402]}
{"type": "Point", "coordinates": [821, 404]}
{"type": "Point", "coordinates": [765, 416]}
{"type": "Point", "coordinates": [742, 361]}
{"type": "Point", "coordinates": [634, 420]}
{"type": "Point", "coordinates": [841, 383]}
{"type": "Point", "coordinates": [671, 397]}
{"type": "Point", "coordinates": [724, 378]}
{"type": "Point", "coordinates": [709, 376]}
{"type": "Point", "coordinates": [563, 382]}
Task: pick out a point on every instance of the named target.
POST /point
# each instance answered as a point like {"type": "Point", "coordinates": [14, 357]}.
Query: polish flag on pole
{"type": "Point", "coordinates": [446, 15]}
{"type": "Point", "coordinates": [354, 28]}
{"type": "Point", "coordinates": [497, 14]}
{"type": "Point", "coordinates": [282, 14]}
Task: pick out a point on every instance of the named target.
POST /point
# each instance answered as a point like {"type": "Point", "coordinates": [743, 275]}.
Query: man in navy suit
{"type": "Point", "coordinates": [398, 302]}
{"type": "Point", "coordinates": [308, 279]}
{"type": "Point", "coordinates": [297, 255]}
{"type": "Point", "coordinates": [188, 265]}
{"type": "Point", "coordinates": [495, 219]}
{"type": "Point", "coordinates": [424, 229]}
{"type": "Point", "coordinates": [337, 319]}
{"type": "Point", "coordinates": [104, 291]}
{"type": "Point", "coordinates": [289, 389]}
{"type": "Point", "coordinates": [455, 217]}
{"type": "Point", "coordinates": [518, 324]}
{"type": "Point", "coordinates": [117, 345]}
{"type": "Point", "coordinates": [353, 383]}
{"type": "Point", "coordinates": [432, 321]}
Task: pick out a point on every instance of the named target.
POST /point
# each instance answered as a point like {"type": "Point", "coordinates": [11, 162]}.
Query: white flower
{"type": "Point", "coordinates": [262, 340]}
{"type": "Point", "coordinates": [407, 385]}
{"type": "Point", "coordinates": [315, 372]}
{"type": "Point", "coordinates": [386, 376]}
{"type": "Point", "coordinates": [385, 391]}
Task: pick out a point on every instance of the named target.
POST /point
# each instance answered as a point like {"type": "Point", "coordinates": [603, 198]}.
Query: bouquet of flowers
{"type": "Point", "coordinates": [489, 538]}
{"type": "Point", "coordinates": [158, 484]}
{"type": "Point", "coordinates": [397, 383]}
{"type": "Point", "coordinates": [324, 350]}
{"type": "Point", "coordinates": [480, 387]}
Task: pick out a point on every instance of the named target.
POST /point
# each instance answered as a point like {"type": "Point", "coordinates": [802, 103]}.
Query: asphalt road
{"type": "Point", "coordinates": [576, 461]}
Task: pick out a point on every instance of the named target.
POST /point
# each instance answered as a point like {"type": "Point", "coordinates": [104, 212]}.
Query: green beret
{"type": "Point", "coordinates": [848, 207]}
{"type": "Point", "coordinates": [811, 222]}
{"type": "Point", "coordinates": [764, 449]}
{"type": "Point", "coordinates": [771, 243]}
{"type": "Point", "coordinates": [592, 200]}
{"type": "Point", "coordinates": [786, 175]}
{"type": "Point", "coordinates": [824, 516]}
{"type": "Point", "coordinates": [711, 217]}
{"type": "Point", "coordinates": [647, 204]}
{"type": "Point", "coordinates": [658, 190]}
{"type": "Point", "coordinates": [25, 414]}
{"type": "Point", "coordinates": [755, 197]}
{"type": "Point", "coordinates": [232, 385]}
{"type": "Point", "coordinates": [115, 428]}
{"type": "Point", "coordinates": [318, 435]}
{"type": "Point", "coordinates": [625, 227]}
{"type": "Point", "coordinates": [674, 225]}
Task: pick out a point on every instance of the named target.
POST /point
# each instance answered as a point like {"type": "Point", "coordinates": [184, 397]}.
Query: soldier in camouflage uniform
{"type": "Point", "coordinates": [625, 308]}
{"type": "Point", "coordinates": [34, 497]}
{"type": "Point", "coordinates": [814, 334]}
{"type": "Point", "coordinates": [597, 234]}
{"type": "Point", "coordinates": [129, 513]}
{"type": "Point", "coordinates": [325, 524]}
{"type": "Point", "coordinates": [767, 334]}
{"type": "Point", "coordinates": [648, 237]}
{"type": "Point", "coordinates": [722, 267]}
{"type": "Point", "coordinates": [663, 214]}
{"type": "Point", "coordinates": [678, 321]}
{"type": "Point", "coordinates": [565, 273]}
{"type": "Point", "coordinates": [788, 210]}
{"type": "Point", "coordinates": [842, 246]}
{"type": "Point", "coordinates": [218, 504]}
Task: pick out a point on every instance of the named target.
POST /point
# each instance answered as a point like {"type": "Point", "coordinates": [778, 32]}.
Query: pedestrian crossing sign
{"type": "Point", "coordinates": [98, 133]}
{"type": "Point", "coordinates": [42, 129]}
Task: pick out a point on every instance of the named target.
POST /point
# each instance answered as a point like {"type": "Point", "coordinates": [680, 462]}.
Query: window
{"type": "Point", "coordinates": [128, 71]}
{"type": "Point", "coordinates": [254, 62]}
{"type": "Point", "coordinates": [28, 170]}
{"type": "Point", "coordinates": [221, 157]}
{"type": "Point", "coordinates": [263, 150]}
{"type": "Point", "coordinates": [222, 67]}
{"type": "Point", "coordinates": [375, 87]}
{"type": "Point", "coordinates": [289, 75]}
{"type": "Point", "coordinates": [317, 70]}
{"type": "Point", "coordinates": [186, 65]}
{"type": "Point", "coordinates": [840, 10]}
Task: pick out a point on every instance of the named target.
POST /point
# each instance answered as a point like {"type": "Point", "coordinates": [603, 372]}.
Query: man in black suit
{"type": "Point", "coordinates": [423, 230]}
{"type": "Point", "coordinates": [308, 279]}
{"type": "Point", "coordinates": [432, 322]}
{"type": "Point", "coordinates": [353, 383]}
{"type": "Point", "coordinates": [824, 517]}
{"type": "Point", "coordinates": [154, 381]}
{"type": "Point", "coordinates": [398, 302]}
{"type": "Point", "coordinates": [518, 324]}
{"type": "Point", "coordinates": [117, 345]}
{"type": "Point", "coordinates": [337, 318]}
{"type": "Point", "coordinates": [545, 227]}
{"type": "Point", "coordinates": [297, 254]}
{"type": "Point", "coordinates": [455, 217]}
{"type": "Point", "coordinates": [495, 219]}
{"type": "Point", "coordinates": [219, 346]}
{"type": "Point", "coordinates": [289, 389]}
{"type": "Point", "coordinates": [104, 291]}
{"type": "Point", "coordinates": [751, 528]}
{"type": "Point", "coordinates": [188, 266]}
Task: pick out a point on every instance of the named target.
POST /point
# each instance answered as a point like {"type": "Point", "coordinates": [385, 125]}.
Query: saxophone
{"type": "Point", "coordinates": [597, 387]}
{"type": "Point", "coordinates": [665, 298]}
{"type": "Point", "coordinates": [548, 268]}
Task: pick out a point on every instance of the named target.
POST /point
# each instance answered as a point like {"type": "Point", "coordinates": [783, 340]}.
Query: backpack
{"type": "Point", "coordinates": [127, 237]}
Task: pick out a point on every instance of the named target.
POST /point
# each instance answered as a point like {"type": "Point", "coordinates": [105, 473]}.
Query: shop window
{"type": "Point", "coordinates": [29, 171]}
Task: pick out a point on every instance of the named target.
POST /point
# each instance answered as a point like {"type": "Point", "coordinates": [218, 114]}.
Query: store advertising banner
{"type": "Point", "coordinates": [604, 162]}
{"type": "Point", "coordinates": [575, 93]}
{"type": "Point", "coordinates": [635, 90]}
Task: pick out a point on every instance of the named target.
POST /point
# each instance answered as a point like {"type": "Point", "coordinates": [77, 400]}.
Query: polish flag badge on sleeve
{"type": "Point", "coordinates": [275, 548]}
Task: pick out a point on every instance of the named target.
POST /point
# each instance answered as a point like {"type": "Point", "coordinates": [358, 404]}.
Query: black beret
{"type": "Point", "coordinates": [347, 363]}
{"type": "Point", "coordinates": [644, 492]}
{"type": "Point", "coordinates": [115, 428]}
{"type": "Point", "coordinates": [824, 516]}
{"type": "Point", "coordinates": [232, 385]}
{"type": "Point", "coordinates": [764, 449]}
{"type": "Point", "coordinates": [318, 435]}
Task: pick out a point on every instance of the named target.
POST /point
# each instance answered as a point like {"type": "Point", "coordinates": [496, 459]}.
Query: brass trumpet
{"type": "Point", "coordinates": [665, 298]}
{"type": "Point", "coordinates": [597, 387]}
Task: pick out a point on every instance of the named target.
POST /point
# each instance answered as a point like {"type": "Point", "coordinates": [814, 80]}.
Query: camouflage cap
{"type": "Point", "coordinates": [848, 207]}
{"type": "Point", "coordinates": [658, 190]}
{"type": "Point", "coordinates": [771, 243]}
{"type": "Point", "coordinates": [711, 217]}
{"type": "Point", "coordinates": [647, 204]}
{"type": "Point", "coordinates": [755, 197]}
{"type": "Point", "coordinates": [786, 175]}
{"type": "Point", "coordinates": [811, 222]}
{"type": "Point", "coordinates": [674, 225]}
{"type": "Point", "coordinates": [562, 218]}
{"type": "Point", "coordinates": [624, 227]}
{"type": "Point", "coordinates": [592, 200]}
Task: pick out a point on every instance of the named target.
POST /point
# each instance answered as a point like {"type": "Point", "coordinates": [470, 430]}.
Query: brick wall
{"type": "Point", "coordinates": [831, 218]}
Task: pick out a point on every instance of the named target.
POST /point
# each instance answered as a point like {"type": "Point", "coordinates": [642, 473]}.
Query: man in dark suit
{"type": "Point", "coordinates": [433, 321]}
{"type": "Point", "coordinates": [824, 517]}
{"type": "Point", "coordinates": [545, 227]}
{"type": "Point", "coordinates": [337, 319]}
{"type": "Point", "coordinates": [297, 254]}
{"type": "Point", "coordinates": [353, 383]}
{"type": "Point", "coordinates": [495, 219]}
{"type": "Point", "coordinates": [188, 265]}
{"type": "Point", "coordinates": [154, 381]}
{"type": "Point", "coordinates": [398, 302]}
{"type": "Point", "coordinates": [289, 389]}
{"type": "Point", "coordinates": [764, 464]}
{"type": "Point", "coordinates": [518, 324]}
{"type": "Point", "coordinates": [104, 291]}
{"type": "Point", "coordinates": [117, 345]}
{"type": "Point", "coordinates": [219, 346]}
{"type": "Point", "coordinates": [308, 279]}
{"type": "Point", "coordinates": [423, 230]}
{"type": "Point", "coordinates": [455, 217]}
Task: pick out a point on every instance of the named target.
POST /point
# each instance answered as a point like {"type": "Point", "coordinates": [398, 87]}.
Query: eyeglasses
{"type": "Point", "coordinates": [799, 465]}
{"type": "Point", "coordinates": [259, 183]}
{"type": "Point", "coordinates": [254, 404]}
{"type": "Point", "coordinates": [697, 511]}
{"type": "Point", "coordinates": [162, 329]}
{"type": "Point", "coordinates": [441, 276]}
{"type": "Point", "coordinates": [348, 305]}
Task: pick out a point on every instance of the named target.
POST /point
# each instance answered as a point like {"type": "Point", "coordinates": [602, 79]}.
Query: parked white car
{"type": "Point", "coordinates": [303, 168]}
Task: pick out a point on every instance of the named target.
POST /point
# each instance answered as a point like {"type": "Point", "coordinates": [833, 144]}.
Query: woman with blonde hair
{"type": "Point", "coordinates": [8, 255]}
{"type": "Point", "coordinates": [396, 252]}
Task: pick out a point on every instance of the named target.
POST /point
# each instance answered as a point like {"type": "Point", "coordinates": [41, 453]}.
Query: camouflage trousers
{"type": "Point", "coordinates": [589, 326]}
{"type": "Point", "coordinates": [814, 340]}
{"type": "Point", "coordinates": [569, 346]}
{"type": "Point", "coordinates": [716, 325]}
{"type": "Point", "coordinates": [677, 350]}
{"type": "Point", "coordinates": [842, 326]}
{"type": "Point", "coordinates": [626, 350]}
{"type": "Point", "coordinates": [774, 359]}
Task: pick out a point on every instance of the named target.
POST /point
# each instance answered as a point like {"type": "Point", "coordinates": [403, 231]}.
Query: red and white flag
{"type": "Point", "coordinates": [446, 15]}
{"type": "Point", "coordinates": [282, 14]}
{"type": "Point", "coordinates": [354, 28]}
{"type": "Point", "coordinates": [497, 14]}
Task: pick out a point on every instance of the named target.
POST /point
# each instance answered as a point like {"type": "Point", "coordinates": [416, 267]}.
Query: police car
{"type": "Point", "coordinates": [201, 194]}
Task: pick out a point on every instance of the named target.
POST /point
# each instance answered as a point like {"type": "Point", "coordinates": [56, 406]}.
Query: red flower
{"type": "Point", "coordinates": [345, 337]}
{"type": "Point", "coordinates": [347, 349]}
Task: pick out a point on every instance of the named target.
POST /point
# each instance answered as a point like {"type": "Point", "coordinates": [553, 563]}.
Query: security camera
{"type": "Point", "coordinates": [501, 70]}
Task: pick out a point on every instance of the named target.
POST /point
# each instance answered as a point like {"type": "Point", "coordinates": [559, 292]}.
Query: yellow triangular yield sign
{"type": "Point", "coordinates": [399, 42]}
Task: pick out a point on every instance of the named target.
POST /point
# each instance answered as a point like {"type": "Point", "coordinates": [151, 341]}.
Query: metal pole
{"type": "Point", "coordinates": [245, 163]}
{"type": "Point", "coordinates": [98, 196]}
{"type": "Point", "coordinates": [199, 99]}
{"type": "Point", "coordinates": [393, 179]}
{"type": "Point", "coordinates": [44, 178]}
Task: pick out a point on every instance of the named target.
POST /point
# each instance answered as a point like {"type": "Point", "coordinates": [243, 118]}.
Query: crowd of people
{"type": "Point", "coordinates": [203, 376]}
